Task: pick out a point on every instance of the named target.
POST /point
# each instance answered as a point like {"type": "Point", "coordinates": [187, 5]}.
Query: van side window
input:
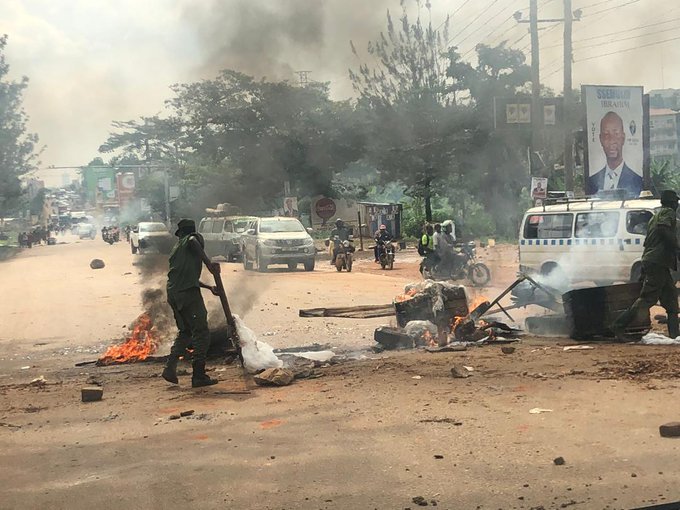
{"type": "Point", "coordinates": [548, 226]}
{"type": "Point", "coordinates": [597, 224]}
{"type": "Point", "coordinates": [228, 226]}
{"type": "Point", "coordinates": [206, 227]}
{"type": "Point", "coordinates": [637, 221]}
{"type": "Point", "coordinates": [217, 226]}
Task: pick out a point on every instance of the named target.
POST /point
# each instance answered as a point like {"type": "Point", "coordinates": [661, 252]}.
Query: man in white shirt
{"type": "Point", "coordinates": [616, 174]}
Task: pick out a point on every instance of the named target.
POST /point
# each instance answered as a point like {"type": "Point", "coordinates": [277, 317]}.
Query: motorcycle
{"type": "Point", "coordinates": [467, 267]}
{"type": "Point", "coordinates": [386, 254]}
{"type": "Point", "coordinates": [343, 258]}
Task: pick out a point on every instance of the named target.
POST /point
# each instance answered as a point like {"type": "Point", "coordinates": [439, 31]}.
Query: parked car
{"type": "Point", "coordinates": [277, 241]}
{"type": "Point", "coordinates": [222, 235]}
{"type": "Point", "coordinates": [86, 230]}
{"type": "Point", "coordinates": [151, 237]}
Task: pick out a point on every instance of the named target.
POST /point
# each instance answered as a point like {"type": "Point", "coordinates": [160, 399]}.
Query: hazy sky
{"type": "Point", "coordinates": [93, 61]}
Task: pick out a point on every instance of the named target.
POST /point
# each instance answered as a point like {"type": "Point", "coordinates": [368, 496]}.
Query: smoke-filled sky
{"type": "Point", "coordinates": [94, 61]}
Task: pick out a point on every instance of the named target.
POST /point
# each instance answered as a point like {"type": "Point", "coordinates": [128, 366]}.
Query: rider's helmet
{"type": "Point", "coordinates": [383, 227]}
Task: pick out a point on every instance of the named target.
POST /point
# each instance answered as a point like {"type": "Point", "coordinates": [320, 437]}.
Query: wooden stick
{"type": "Point", "coordinates": [229, 316]}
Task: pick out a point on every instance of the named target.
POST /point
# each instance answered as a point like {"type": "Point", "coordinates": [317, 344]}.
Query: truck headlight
{"type": "Point", "coordinates": [309, 242]}
{"type": "Point", "coordinates": [269, 242]}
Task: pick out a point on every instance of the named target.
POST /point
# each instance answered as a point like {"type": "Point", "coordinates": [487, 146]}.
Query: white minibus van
{"type": "Point", "coordinates": [579, 240]}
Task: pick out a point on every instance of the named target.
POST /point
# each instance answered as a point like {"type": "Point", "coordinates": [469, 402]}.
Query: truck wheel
{"type": "Point", "coordinates": [261, 263]}
{"type": "Point", "coordinates": [247, 265]}
{"type": "Point", "coordinates": [133, 249]}
{"type": "Point", "coordinates": [309, 265]}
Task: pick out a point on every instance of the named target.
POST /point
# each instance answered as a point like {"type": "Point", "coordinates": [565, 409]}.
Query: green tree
{"type": "Point", "coordinates": [17, 147]}
{"type": "Point", "coordinates": [418, 131]}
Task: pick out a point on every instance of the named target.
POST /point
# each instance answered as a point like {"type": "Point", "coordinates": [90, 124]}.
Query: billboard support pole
{"type": "Point", "coordinates": [568, 137]}
{"type": "Point", "coordinates": [535, 75]}
{"type": "Point", "coordinates": [586, 167]}
{"type": "Point", "coordinates": [646, 159]}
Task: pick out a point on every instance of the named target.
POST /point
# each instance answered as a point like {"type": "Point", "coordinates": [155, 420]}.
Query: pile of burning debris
{"type": "Point", "coordinates": [437, 315]}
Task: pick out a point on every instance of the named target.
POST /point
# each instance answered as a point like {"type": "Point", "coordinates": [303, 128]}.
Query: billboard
{"type": "Point", "coordinates": [290, 207]}
{"type": "Point", "coordinates": [614, 128]}
{"type": "Point", "coordinates": [539, 188]}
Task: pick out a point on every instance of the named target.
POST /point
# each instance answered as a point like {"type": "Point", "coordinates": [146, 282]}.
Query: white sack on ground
{"type": "Point", "coordinates": [658, 339]}
{"type": "Point", "coordinates": [256, 355]}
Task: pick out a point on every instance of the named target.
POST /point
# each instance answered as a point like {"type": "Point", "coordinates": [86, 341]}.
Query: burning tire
{"type": "Point", "coordinates": [479, 274]}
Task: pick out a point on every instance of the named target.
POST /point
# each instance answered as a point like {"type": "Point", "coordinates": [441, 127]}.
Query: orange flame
{"type": "Point", "coordinates": [428, 339]}
{"type": "Point", "coordinates": [406, 295]}
{"type": "Point", "coordinates": [138, 346]}
{"type": "Point", "coordinates": [477, 301]}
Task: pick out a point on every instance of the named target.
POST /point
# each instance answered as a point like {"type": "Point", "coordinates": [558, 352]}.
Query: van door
{"type": "Point", "coordinates": [545, 242]}
{"type": "Point", "coordinates": [205, 229]}
{"type": "Point", "coordinates": [597, 253]}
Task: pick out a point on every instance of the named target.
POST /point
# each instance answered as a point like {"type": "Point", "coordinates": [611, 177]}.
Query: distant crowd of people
{"type": "Point", "coordinates": [38, 235]}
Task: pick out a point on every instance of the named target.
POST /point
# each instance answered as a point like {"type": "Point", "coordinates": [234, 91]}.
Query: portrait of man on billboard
{"type": "Point", "coordinates": [616, 174]}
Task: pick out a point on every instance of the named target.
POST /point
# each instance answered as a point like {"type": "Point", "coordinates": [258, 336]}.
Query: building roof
{"type": "Point", "coordinates": [661, 111]}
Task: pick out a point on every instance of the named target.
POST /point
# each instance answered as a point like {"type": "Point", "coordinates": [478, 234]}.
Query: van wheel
{"type": "Point", "coordinates": [555, 273]}
{"type": "Point", "coordinates": [133, 249]}
{"type": "Point", "coordinates": [636, 273]}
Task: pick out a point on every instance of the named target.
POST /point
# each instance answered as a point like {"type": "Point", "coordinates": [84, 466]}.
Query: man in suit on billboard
{"type": "Point", "coordinates": [616, 174]}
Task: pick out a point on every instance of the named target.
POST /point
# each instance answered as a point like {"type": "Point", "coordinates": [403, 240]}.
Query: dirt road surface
{"type": "Point", "coordinates": [374, 432]}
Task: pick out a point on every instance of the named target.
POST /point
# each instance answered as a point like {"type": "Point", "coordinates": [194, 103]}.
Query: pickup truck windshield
{"type": "Point", "coordinates": [153, 227]}
{"type": "Point", "coordinates": [277, 226]}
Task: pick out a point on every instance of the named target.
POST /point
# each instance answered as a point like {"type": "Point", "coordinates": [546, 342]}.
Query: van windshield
{"type": "Point", "coordinates": [548, 226]}
{"type": "Point", "coordinates": [277, 226]}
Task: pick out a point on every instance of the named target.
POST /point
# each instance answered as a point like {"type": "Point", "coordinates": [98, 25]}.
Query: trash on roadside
{"type": "Point", "coordinates": [274, 377]}
{"type": "Point", "coordinates": [539, 410]}
{"type": "Point", "coordinates": [578, 348]}
{"type": "Point", "coordinates": [659, 339]}
{"type": "Point", "coordinates": [417, 377]}
{"type": "Point", "coordinates": [671, 429]}
{"type": "Point", "coordinates": [97, 264]}
{"type": "Point", "coordinates": [91, 393]}
{"type": "Point", "coordinates": [460, 371]}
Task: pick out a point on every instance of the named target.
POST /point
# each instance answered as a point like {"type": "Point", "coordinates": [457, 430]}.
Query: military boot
{"type": "Point", "coordinates": [673, 325]}
{"type": "Point", "coordinates": [199, 378]}
{"type": "Point", "coordinates": [170, 370]}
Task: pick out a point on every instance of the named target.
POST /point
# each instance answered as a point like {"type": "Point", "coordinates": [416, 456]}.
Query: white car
{"type": "Point", "coordinates": [86, 230]}
{"type": "Point", "coordinates": [277, 241]}
{"type": "Point", "coordinates": [151, 237]}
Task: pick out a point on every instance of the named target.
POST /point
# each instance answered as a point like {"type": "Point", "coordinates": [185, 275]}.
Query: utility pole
{"type": "Point", "coordinates": [168, 220]}
{"type": "Point", "coordinates": [568, 100]}
{"type": "Point", "coordinates": [535, 75]}
{"type": "Point", "coordinates": [536, 110]}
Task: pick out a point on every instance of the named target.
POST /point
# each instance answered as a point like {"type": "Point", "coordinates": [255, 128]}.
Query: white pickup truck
{"type": "Point", "coordinates": [151, 237]}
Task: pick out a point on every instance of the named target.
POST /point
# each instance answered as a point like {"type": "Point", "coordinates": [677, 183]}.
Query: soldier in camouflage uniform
{"type": "Point", "coordinates": [184, 297]}
{"type": "Point", "coordinates": [659, 258]}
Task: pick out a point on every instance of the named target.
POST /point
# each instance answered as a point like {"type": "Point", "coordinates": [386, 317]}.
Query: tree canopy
{"type": "Point", "coordinates": [17, 146]}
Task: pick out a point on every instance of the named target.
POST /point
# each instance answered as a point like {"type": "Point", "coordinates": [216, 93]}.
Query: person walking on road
{"type": "Point", "coordinates": [184, 297]}
{"type": "Point", "coordinates": [659, 258]}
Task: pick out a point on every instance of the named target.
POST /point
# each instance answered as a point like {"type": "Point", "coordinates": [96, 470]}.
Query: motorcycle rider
{"type": "Point", "coordinates": [445, 247]}
{"type": "Point", "coordinates": [342, 232]}
{"type": "Point", "coordinates": [382, 236]}
{"type": "Point", "coordinates": [426, 248]}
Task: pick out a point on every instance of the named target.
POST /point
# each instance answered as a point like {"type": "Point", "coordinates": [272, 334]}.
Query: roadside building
{"type": "Point", "coordinates": [664, 134]}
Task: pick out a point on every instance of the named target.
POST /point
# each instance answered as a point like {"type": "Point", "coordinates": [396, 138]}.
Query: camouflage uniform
{"type": "Point", "coordinates": [658, 259]}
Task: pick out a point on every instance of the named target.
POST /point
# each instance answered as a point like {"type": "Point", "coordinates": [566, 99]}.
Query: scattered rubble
{"type": "Point", "coordinates": [459, 372]}
{"type": "Point", "coordinates": [274, 377]}
{"type": "Point", "coordinates": [671, 429]}
{"type": "Point", "coordinates": [559, 461]}
{"type": "Point", "coordinates": [97, 264]}
{"type": "Point", "coordinates": [507, 349]}
{"type": "Point", "coordinates": [91, 393]}
{"type": "Point", "coordinates": [184, 414]}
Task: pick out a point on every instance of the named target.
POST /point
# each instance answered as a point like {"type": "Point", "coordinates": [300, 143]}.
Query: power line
{"type": "Point", "coordinates": [611, 8]}
{"type": "Point", "coordinates": [596, 4]}
{"type": "Point", "coordinates": [484, 11]}
{"type": "Point", "coordinates": [627, 38]}
{"type": "Point", "coordinates": [628, 49]}
{"type": "Point", "coordinates": [489, 20]}
{"type": "Point", "coordinates": [452, 14]}
{"type": "Point", "coordinates": [618, 32]}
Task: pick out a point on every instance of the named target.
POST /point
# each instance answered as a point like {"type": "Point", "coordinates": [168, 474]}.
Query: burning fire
{"type": "Point", "coordinates": [477, 301]}
{"type": "Point", "coordinates": [428, 339]}
{"type": "Point", "coordinates": [138, 346]}
{"type": "Point", "coordinates": [406, 295]}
